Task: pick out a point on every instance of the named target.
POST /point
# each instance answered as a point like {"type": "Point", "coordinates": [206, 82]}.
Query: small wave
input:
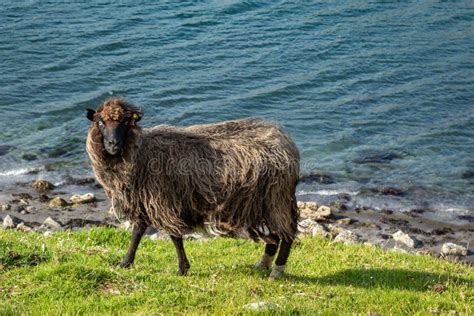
{"type": "Point", "coordinates": [327, 192]}
{"type": "Point", "coordinates": [17, 172]}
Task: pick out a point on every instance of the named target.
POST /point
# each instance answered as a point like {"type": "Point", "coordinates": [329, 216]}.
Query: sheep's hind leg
{"type": "Point", "coordinates": [267, 258]}
{"type": "Point", "coordinates": [282, 257]}
{"type": "Point", "coordinates": [137, 233]}
{"type": "Point", "coordinates": [182, 259]}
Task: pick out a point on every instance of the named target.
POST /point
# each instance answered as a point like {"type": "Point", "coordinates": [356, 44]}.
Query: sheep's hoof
{"type": "Point", "coordinates": [276, 273]}
{"type": "Point", "coordinates": [125, 264]}
{"type": "Point", "coordinates": [183, 270]}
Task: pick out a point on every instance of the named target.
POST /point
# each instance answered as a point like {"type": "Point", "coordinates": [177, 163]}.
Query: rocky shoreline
{"type": "Point", "coordinates": [81, 203]}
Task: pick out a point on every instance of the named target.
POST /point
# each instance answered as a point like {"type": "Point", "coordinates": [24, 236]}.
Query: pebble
{"type": "Point", "coordinates": [335, 230]}
{"type": "Point", "coordinates": [340, 205]}
{"type": "Point", "coordinates": [83, 199]}
{"type": "Point", "coordinates": [405, 239]}
{"type": "Point", "coordinates": [347, 237]}
{"type": "Point", "coordinates": [57, 202]}
{"type": "Point", "coordinates": [323, 212]}
{"type": "Point", "coordinates": [43, 185]}
{"type": "Point", "coordinates": [451, 249]}
{"type": "Point", "coordinates": [344, 221]}
{"type": "Point", "coordinates": [195, 236]}
{"type": "Point", "coordinates": [126, 225]}
{"type": "Point", "coordinates": [399, 250]}
{"type": "Point", "coordinates": [261, 305]}
{"type": "Point", "coordinates": [23, 228]}
{"type": "Point", "coordinates": [319, 230]}
{"type": "Point", "coordinates": [6, 207]}
{"type": "Point", "coordinates": [159, 236]}
{"type": "Point", "coordinates": [52, 223]}
{"type": "Point", "coordinates": [8, 222]}
{"type": "Point", "coordinates": [30, 209]}
{"type": "Point", "coordinates": [312, 211]}
{"type": "Point", "coordinates": [306, 226]}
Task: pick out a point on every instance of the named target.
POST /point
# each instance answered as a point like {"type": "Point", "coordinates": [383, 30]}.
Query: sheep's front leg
{"type": "Point", "coordinates": [182, 259]}
{"type": "Point", "coordinates": [137, 233]}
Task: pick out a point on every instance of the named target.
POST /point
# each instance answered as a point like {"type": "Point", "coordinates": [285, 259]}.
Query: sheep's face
{"type": "Point", "coordinates": [114, 120]}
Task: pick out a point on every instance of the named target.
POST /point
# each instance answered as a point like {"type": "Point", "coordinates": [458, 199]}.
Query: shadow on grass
{"type": "Point", "coordinates": [382, 278]}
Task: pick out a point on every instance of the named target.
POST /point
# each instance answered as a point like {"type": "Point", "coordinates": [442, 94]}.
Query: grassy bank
{"type": "Point", "coordinates": [76, 272]}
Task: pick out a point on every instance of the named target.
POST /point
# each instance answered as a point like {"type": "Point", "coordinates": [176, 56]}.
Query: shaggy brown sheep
{"type": "Point", "coordinates": [235, 178]}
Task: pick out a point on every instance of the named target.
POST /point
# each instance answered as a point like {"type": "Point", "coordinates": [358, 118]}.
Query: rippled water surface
{"type": "Point", "coordinates": [375, 95]}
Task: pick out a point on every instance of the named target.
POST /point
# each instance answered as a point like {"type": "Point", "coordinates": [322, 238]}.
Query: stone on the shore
{"type": "Point", "coordinates": [52, 223]}
{"type": "Point", "coordinates": [5, 207]}
{"type": "Point", "coordinates": [43, 185]}
{"type": "Point", "coordinates": [405, 239]}
{"type": "Point", "coordinates": [306, 226]}
{"type": "Point", "coordinates": [344, 221]}
{"type": "Point", "coordinates": [23, 228]}
{"type": "Point", "coordinates": [347, 237]}
{"type": "Point", "coordinates": [57, 202]}
{"type": "Point", "coordinates": [159, 236]}
{"type": "Point", "coordinates": [451, 249]}
{"type": "Point", "coordinates": [30, 209]}
{"type": "Point", "coordinates": [312, 211]}
{"type": "Point", "coordinates": [300, 204]}
{"type": "Point", "coordinates": [8, 222]}
{"type": "Point", "coordinates": [28, 157]}
{"type": "Point", "coordinates": [323, 212]}
{"type": "Point", "coordinates": [127, 225]}
{"type": "Point", "coordinates": [399, 250]}
{"type": "Point", "coordinates": [83, 199]}
{"type": "Point", "coordinates": [194, 236]}
{"type": "Point", "coordinates": [334, 230]}
{"type": "Point", "coordinates": [261, 305]}
{"type": "Point", "coordinates": [313, 206]}
{"type": "Point", "coordinates": [340, 205]}
{"type": "Point", "coordinates": [319, 230]}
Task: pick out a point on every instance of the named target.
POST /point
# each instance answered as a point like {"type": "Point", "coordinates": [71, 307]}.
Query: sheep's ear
{"type": "Point", "coordinates": [90, 114]}
{"type": "Point", "coordinates": [137, 116]}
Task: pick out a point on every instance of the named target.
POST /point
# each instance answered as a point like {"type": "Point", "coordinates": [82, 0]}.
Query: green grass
{"type": "Point", "coordinates": [75, 272]}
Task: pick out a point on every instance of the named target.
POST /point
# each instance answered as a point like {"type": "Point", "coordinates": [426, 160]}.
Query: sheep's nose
{"type": "Point", "coordinates": [113, 142]}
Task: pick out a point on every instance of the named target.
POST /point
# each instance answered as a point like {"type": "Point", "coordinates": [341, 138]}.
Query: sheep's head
{"type": "Point", "coordinates": [116, 120]}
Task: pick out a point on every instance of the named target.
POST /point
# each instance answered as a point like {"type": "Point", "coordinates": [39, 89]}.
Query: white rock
{"type": "Point", "coordinates": [261, 305]}
{"type": "Point", "coordinates": [194, 236]}
{"type": "Point", "coordinates": [126, 225]}
{"type": "Point", "coordinates": [5, 207]}
{"type": "Point", "coordinates": [306, 226]}
{"type": "Point", "coordinates": [23, 228]}
{"type": "Point", "coordinates": [8, 222]}
{"type": "Point", "coordinates": [47, 234]}
{"type": "Point", "coordinates": [323, 212]}
{"type": "Point", "coordinates": [319, 230]}
{"type": "Point", "coordinates": [159, 236]}
{"type": "Point", "coordinates": [83, 199]}
{"type": "Point", "coordinates": [450, 249]}
{"type": "Point", "coordinates": [301, 204]}
{"type": "Point", "coordinates": [30, 209]}
{"type": "Point", "coordinates": [405, 239]}
{"type": "Point", "coordinates": [399, 250]}
{"type": "Point", "coordinates": [52, 223]}
{"type": "Point", "coordinates": [312, 206]}
{"type": "Point", "coordinates": [347, 237]}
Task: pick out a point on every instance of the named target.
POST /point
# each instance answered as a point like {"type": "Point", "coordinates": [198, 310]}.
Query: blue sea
{"type": "Point", "coordinates": [376, 95]}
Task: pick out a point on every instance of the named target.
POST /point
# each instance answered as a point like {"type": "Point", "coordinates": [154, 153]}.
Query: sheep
{"type": "Point", "coordinates": [234, 178]}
